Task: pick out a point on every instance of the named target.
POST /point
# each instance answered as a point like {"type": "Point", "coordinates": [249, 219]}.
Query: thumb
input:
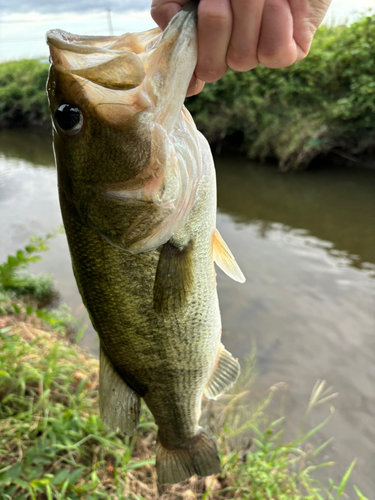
{"type": "Point", "coordinates": [162, 11]}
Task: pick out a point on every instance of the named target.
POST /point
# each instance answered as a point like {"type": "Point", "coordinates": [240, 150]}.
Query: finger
{"type": "Point", "coordinates": [214, 31]}
{"type": "Point", "coordinates": [277, 48]}
{"type": "Point", "coordinates": [162, 11]}
{"type": "Point", "coordinates": [195, 86]}
{"type": "Point", "coordinates": [247, 18]}
{"type": "Point", "coordinates": [307, 17]}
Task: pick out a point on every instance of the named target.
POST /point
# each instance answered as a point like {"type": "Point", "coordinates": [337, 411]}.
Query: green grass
{"type": "Point", "coordinates": [15, 277]}
{"type": "Point", "coordinates": [23, 293]}
{"type": "Point", "coordinates": [52, 440]}
{"type": "Point", "coordinates": [53, 444]}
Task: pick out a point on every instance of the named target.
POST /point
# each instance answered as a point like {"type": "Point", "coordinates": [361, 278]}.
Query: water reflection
{"type": "Point", "coordinates": [305, 242]}
{"type": "Point", "coordinates": [336, 206]}
{"type": "Point", "coordinates": [29, 145]}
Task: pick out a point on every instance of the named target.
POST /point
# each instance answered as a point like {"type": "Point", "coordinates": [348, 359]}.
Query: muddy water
{"type": "Point", "coordinates": [306, 243]}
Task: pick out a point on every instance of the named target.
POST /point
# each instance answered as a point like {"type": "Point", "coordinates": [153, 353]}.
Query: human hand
{"type": "Point", "coordinates": [240, 34]}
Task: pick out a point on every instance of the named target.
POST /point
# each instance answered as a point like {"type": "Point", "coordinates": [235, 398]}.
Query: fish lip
{"type": "Point", "coordinates": [63, 40]}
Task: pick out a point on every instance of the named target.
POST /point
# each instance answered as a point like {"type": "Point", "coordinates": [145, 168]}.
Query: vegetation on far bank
{"type": "Point", "coordinates": [53, 444]}
{"type": "Point", "coordinates": [23, 100]}
{"type": "Point", "coordinates": [323, 104]}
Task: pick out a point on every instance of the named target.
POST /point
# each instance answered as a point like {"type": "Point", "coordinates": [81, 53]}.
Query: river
{"type": "Point", "coordinates": [306, 243]}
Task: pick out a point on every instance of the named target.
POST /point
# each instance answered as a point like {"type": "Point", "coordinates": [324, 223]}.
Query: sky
{"type": "Point", "coordinates": [23, 23]}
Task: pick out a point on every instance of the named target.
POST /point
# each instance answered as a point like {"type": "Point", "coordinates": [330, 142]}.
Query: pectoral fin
{"type": "Point", "coordinates": [174, 277]}
{"type": "Point", "coordinates": [224, 376]}
{"type": "Point", "coordinates": [225, 260]}
{"type": "Point", "coordinates": [119, 405]}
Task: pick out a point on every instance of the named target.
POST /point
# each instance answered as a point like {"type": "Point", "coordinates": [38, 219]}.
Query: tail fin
{"type": "Point", "coordinates": [199, 456]}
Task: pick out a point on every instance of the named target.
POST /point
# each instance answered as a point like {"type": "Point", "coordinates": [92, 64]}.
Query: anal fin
{"type": "Point", "coordinates": [119, 405]}
{"type": "Point", "coordinates": [224, 258]}
{"type": "Point", "coordinates": [225, 375]}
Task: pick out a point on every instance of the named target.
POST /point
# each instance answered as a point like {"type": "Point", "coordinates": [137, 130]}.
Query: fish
{"type": "Point", "coordinates": [137, 191]}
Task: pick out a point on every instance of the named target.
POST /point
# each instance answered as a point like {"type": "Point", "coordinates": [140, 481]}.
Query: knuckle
{"type": "Point", "coordinates": [241, 61]}
{"type": "Point", "coordinates": [155, 14]}
{"type": "Point", "coordinates": [210, 75]}
{"type": "Point", "coordinates": [195, 88]}
{"type": "Point", "coordinates": [275, 7]}
{"type": "Point", "coordinates": [159, 15]}
{"type": "Point", "coordinates": [275, 58]}
{"type": "Point", "coordinates": [218, 19]}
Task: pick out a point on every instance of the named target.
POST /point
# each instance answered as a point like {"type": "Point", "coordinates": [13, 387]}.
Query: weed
{"type": "Point", "coordinates": [23, 293]}
{"type": "Point", "coordinates": [53, 444]}
{"type": "Point", "coordinates": [22, 93]}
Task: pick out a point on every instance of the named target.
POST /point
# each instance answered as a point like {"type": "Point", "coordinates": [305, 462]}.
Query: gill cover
{"type": "Point", "coordinates": [136, 149]}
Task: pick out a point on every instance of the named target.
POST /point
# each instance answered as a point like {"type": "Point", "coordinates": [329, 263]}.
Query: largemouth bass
{"type": "Point", "coordinates": [138, 199]}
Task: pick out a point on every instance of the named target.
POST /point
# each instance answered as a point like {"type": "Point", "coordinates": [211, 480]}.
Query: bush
{"type": "Point", "coordinates": [22, 93]}
{"type": "Point", "coordinates": [323, 103]}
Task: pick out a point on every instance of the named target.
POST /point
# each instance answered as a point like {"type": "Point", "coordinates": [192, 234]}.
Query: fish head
{"type": "Point", "coordinates": [116, 103]}
{"type": "Point", "coordinates": [106, 93]}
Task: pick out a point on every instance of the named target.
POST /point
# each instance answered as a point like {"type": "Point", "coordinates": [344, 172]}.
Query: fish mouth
{"type": "Point", "coordinates": [64, 40]}
{"type": "Point", "coordinates": [95, 59]}
{"type": "Point", "coordinates": [123, 62]}
{"type": "Point", "coordinates": [126, 59]}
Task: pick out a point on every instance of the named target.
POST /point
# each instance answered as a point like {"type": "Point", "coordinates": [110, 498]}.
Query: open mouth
{"type": "Point", "coordinates": [96, 59]}
{"type": "Point", "coordinates": [77, 54]}
{"type": "Point", "coordinates": [155, 66]}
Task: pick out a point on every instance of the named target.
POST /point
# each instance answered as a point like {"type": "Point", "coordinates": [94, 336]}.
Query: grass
{"type": "Point", "coordinates": [23, 293]}
{"type": "Point", "coordinates": [53, 444]}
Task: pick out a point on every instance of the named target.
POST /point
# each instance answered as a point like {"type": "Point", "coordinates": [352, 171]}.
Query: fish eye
{"type": "Point", "coordinates": [69, 118]}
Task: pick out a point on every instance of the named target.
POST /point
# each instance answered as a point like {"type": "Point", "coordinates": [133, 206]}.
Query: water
{"type": "Point", "coordinates": [306, 243]}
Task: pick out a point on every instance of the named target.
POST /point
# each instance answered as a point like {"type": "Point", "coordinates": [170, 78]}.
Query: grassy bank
{"type": "Point", "coordinates": [53, 444]}
{"type": "Point", "coordinates": [323, 104]}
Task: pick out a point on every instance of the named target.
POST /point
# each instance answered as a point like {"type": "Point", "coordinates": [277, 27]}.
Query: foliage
{"type": "Point", "coordinates": [22, 93]}
{"type": "Point", "coordinates": [14, 276]}
{"type": "Point", "coordinates": [53, 444]}
{"type": "Point", "coordinates": [24, 293]}
{"type": "Point", "coordinates": [52, 441]}
{"type": "Point", "coordinates": [323, 103]}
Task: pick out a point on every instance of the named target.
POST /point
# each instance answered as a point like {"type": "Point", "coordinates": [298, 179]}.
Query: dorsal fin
{"type": "Point", "coordinates": [224, 258]}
